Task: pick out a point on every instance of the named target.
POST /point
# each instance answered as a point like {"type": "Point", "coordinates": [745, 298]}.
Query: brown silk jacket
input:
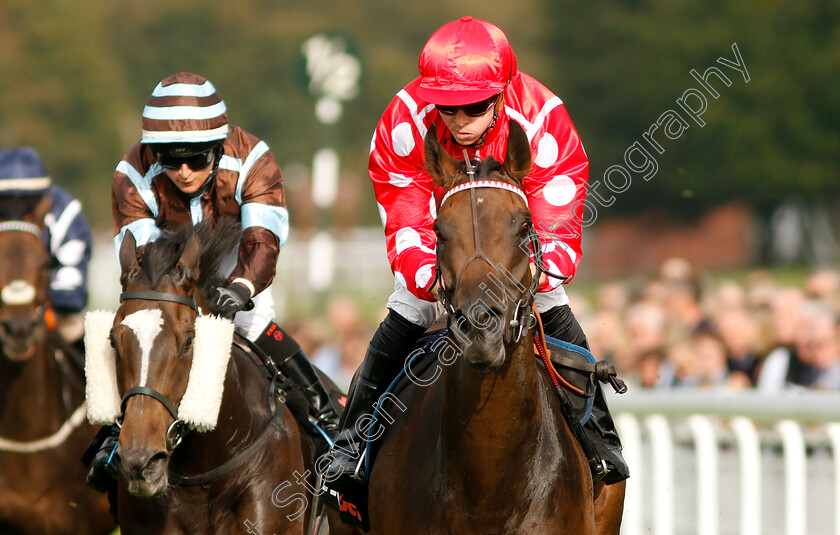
{"type": "Point", "coordinates": [248, 186]}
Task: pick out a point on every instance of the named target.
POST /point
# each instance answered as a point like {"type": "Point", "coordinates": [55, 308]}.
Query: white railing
{"type": "Point", "coordinates": [718, 463]}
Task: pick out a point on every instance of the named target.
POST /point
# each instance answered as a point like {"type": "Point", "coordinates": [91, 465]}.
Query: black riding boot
{"type": "Point", "coordinates": [601, 432]}
{"type": "Point", "coordinates": [99, 455]}
{"type": "Point", "coordinates": [384, 359]}
{"type": "Point", "coordinates": [294, 364]}
{"type": "Point", "coordinates": [560, 323]}
{"type": "Point", "coordinates": [300, 370]}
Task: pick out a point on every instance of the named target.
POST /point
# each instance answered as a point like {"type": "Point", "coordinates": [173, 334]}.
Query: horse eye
{"type": "Point", "coordinates": [188, 342]}
{"type": "Point", "coordinates": [440, 236]}
{"type": "Point", "coordinates": [113, 342]}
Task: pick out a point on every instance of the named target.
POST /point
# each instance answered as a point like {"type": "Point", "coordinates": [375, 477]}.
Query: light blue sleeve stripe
{"type": "Point", "coordinates": [249, 162]}
{"type": "Point", "coordinates": [274, 218]}
{"type": "Point", "coordinates": [143, 184]}
{"type": "Point", "coordinates": [144, 231]}
{"type": "Point", "coordinates": [230, 163]}
{"type": "Point", "coordinates": [195, 210]}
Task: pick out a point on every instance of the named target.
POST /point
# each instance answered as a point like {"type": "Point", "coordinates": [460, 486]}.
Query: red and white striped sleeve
{"type": "Point", "coordinates": [556, 185]}
{"type": "Point", "coordinates": [404, 193]}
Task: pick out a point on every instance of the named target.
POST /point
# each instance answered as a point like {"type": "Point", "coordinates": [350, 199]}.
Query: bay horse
{"type": "Point", "coordinates": [206, 443]}
{"type": "Point", "coordinates": [483, 447]}
{"type": "Point", "coordinates": [43, 431]}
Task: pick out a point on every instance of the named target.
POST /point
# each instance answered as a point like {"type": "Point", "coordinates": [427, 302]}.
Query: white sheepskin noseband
{"type": "Point", "coordinates": [103, 398]}
{"type": "Point", "coordinates": [211, 352]}
{"type": "Point", "coordinates": [199, 408]}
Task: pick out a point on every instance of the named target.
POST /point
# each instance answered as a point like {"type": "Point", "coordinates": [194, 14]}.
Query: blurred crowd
{"type": "Point", "coordinates": [682, 331]}
{"type": "Point", "coordinates": [675, 330]}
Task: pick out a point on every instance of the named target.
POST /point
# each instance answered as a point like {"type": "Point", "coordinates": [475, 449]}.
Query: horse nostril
{"type": "Point", "coordinates": [19, 327]}
{"type": "Point", "coordinates": [155, 465]}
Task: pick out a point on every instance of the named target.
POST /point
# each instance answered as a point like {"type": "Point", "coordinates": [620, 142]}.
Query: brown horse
{"type": "Point", "coordinates": [206, 444]}
{"type": "Point", "coordinates": [483, 447]}
{"type": "Point", "coordinates": [43, 431]}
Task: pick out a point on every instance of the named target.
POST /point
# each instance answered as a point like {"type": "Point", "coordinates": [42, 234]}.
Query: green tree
{"type": "Point", "coordinates": [620, 65]}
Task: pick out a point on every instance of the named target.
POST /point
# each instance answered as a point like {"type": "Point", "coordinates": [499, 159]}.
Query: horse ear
{"type": "Point", "coordinates": [188, 263]}
{"type": "Point", "coordinates": [518, 158]}
{"type": "Point", "coordinates": [439, 163]}
{"type": "Point", "coordinates": [41, 210]}
{"type": "Point", "coordinates": [128, 258]}
{"type": "Point", "coordinates": [128, 252]}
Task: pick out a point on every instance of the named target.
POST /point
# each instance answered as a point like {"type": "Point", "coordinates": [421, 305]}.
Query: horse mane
{"type": "Point", "coordinates": [216, 242]}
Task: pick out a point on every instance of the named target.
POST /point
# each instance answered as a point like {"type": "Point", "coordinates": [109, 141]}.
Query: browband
{"type": "Point", "coordinates": [20, 226]}
{"type": "Point", "coordinates": [485, 184]}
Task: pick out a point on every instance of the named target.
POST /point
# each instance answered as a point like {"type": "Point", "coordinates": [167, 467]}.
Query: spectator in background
{"type": "Point", "coordinates": [655, 370]}
{"type": "Point", "coordinates": [710, 356]}
{"type": "Point", "coordinates": [682, 297]}
{"type": "Point", "coordinates": [824, 285]}
{"type": "Point", "coordinates": [645, 331]}
{"type": "Point", "coordinates": [738, 333]}
{"type": "Point", "coordinates": [607, 336]}
{"type": "Point", "coordinates": [681, 353]}
{"type": "Point", "coordinates": [760, 288]}
{"type": "Point", "coordinates": [613, 297]}
{"type": "Point", "coordinates": [787, 316]}
{"type": "Point", "coordinates": [819, 350]}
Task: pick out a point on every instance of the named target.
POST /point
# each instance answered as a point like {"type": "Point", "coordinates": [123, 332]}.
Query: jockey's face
{"type": "Point", "coordinates": [467, 129]}
{"type": "Point", "coordinates": [187, 180]}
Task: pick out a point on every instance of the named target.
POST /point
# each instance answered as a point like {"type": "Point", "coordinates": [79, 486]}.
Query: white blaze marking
{"type": "Point", "coordinates": [146, 325]}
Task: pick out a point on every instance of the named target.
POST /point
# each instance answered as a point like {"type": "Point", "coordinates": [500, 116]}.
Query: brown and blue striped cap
{"type": "Point", "coordinates": [184, 108]}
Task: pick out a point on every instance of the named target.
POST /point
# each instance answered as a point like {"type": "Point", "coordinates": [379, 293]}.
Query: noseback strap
{"type": "Point", "coordinates": [152, 393]}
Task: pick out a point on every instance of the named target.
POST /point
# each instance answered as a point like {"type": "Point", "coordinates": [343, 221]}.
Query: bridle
{"type": "Point", "coordinates": [176, 431]}
{"type": "Point", "coordinates": [522, 319]}
{"type": "Point", "coordinates": [10, 294]}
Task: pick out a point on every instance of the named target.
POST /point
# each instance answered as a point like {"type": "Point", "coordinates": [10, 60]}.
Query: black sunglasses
{"type": "Point", "coordinates": [471, 110]}
{"type": "Point", "coordinates": [196, 162]}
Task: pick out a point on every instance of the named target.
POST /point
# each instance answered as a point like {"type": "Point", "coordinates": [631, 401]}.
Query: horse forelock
{"type": "Point", "coordinates": [160, 257]}
{"type": "Point", "coordinates": [487, 169]}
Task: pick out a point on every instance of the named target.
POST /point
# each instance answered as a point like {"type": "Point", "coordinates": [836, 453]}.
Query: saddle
{"type": "Point", "coordinates": [285, 390]}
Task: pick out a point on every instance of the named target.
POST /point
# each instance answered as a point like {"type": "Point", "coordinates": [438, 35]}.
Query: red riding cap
{"type": "Point", "coordinates": [465, 61]}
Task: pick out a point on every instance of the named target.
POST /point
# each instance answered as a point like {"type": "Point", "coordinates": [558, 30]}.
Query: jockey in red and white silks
{"type": "Point", "coordinates": [407, 199]}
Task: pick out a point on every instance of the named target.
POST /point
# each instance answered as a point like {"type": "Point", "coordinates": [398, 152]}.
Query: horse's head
{"type": "Point", "coordinates": [169, 361]}
{"type": "Point", "coordinates": [24, 282]}
{"type": "Point", "coordinates": [484, 231]}
{"type": "Point", "coordinates": [153, 343]}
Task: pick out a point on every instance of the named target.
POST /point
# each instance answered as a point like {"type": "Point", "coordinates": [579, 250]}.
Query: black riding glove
{"type": "Point", "coordinates": [232, 299]}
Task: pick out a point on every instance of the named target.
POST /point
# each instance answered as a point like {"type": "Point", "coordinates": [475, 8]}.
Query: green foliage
{"type": "Point", "coordinates": [77, 74]}
{"type": "Point", "coordinates": [622, 64]}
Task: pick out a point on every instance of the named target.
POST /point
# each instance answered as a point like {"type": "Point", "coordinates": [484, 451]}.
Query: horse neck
{"type": "Point", "coordinates": [492, 421]}
{"type": "Point", "coordinates": [31, 392]}
{"type": "Point", "coordinates": [237, 425]}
